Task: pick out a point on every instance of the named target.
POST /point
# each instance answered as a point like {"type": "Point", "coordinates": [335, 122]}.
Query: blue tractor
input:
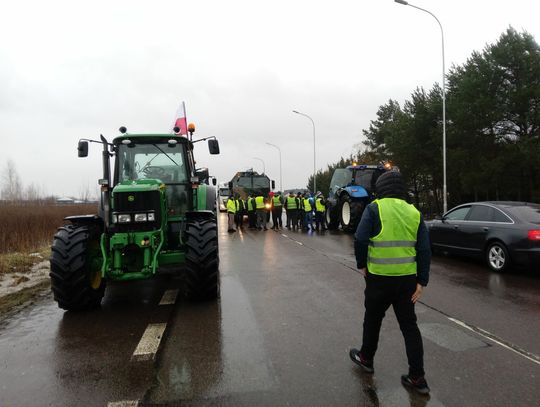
{"type": "Point", "coordinates": [351, 190]}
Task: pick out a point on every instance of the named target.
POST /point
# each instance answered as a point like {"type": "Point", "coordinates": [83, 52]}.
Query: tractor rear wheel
{"type": "Point", "coordinates": [351, 212]}
{"type": "Point", "coordinates": [202, 259]}
{"type": "Point", "coordinates": [76, 268]}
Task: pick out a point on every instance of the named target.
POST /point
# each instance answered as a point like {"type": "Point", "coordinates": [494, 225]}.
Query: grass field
{"type": "Point", "coordinates": [26, 229]}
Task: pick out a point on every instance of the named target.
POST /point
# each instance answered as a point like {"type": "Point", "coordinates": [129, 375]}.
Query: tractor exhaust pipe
{"type": "Point", "coordinates": [105, 183]}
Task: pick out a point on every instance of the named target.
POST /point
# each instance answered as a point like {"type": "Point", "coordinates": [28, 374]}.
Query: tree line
{"type": "Point", "coordinates": [492, 130]}
{"type": "Point", "coordinates": [13, 191]}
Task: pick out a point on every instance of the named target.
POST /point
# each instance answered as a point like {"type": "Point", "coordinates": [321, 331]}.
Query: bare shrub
{"type": "Point", "coordinates": [28, 227]}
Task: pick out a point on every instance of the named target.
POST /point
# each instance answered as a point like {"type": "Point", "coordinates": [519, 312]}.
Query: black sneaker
{"type": "Point", "coordinates": [356, 357]}
{"type": "Point", "coordinates": [417, 383]}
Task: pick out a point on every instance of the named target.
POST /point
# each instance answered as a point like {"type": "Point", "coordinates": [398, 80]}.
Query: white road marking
{"type": "Point", "coordinates": [169, 297]}
{"type": "Point", "coordinates": [284, 235]}
{"type": "Point", "coordinates": [527, 355]}
{"type": "Point", "coordinates": [149, 343]}
{"type": "Point", "coordinates": [300, 243]}
{"type": "Point", "coordinates": [123, 403]}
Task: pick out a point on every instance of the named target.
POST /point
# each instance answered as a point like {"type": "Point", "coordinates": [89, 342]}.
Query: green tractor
{"type": "Point", "coordinates": [155, 214]}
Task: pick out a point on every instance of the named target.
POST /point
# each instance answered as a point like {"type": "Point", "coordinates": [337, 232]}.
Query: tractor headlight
{"type": "Point", "coordinates": [140, 217]}
{"type": "Point", "coordinates": [151, 217]}
{"type": "Point", "coordinates": [114, 219]}
{"type": "Point", "coordinates": [124, 218]}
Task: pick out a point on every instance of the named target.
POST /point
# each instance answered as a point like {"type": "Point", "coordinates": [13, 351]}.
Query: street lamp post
{"type": "Point", "coordinates": [314, 162]}
{"type": "Point", "coordinates": [261, 160]}
{"type": "Point", "coordinates": [405, 3]}
{"type": "Point", "coordinates": [280, 178]}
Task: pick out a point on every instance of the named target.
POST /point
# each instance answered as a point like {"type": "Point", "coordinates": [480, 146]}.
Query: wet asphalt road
{"type": "Point", "coordinates": [291, 306]}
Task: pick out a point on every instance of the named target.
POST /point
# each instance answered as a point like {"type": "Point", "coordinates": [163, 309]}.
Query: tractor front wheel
{"type": "Point", "coordinates": [76, 268]}
{"type": "Point", "coordinates": [351, 212]}
{"type": "Point", "coordinates": [202, 260]}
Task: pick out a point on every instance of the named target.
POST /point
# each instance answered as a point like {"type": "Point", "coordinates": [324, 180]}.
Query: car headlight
{"type": "Point", "coordinates": [124, 218]}
{"type": "Point", "coordinates": [151, 217]}
{"type": "Point", "coordinates": [140, 217]}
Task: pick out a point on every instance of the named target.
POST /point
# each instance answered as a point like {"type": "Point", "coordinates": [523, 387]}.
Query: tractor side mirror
{"type": "Point", "coordinates": [213, 146]}
{"type": "Point", "coordinates": [82, 149]}
{"type": "Point", "coordinates": [214, 181]}
{"type": "Point", "coordinates": [273, 185]}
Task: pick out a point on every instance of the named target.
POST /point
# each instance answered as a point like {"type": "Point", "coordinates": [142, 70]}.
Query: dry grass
{"type": "Point", "coordinates": [21, 262]}
{"type": "Point", "coordinates": [27, 228]}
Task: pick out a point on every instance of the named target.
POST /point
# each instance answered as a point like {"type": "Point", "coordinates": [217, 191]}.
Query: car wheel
{"type": "Point", "coordinates": [497, 257]}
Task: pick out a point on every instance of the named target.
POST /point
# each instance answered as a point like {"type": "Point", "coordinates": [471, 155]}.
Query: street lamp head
{"type": "Point", "coordinates": [402, 2]}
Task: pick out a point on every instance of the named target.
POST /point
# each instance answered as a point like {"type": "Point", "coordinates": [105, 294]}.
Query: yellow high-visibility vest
{"type": "Point", "coordinates": [231, 205]}
{"type": "Point", "coordinates": [307, 205]}
{"type": "Point", "coordinates": [319, 206]}
{"type": "Point", "coordinates": [393, 251]}
{"type": "Point", "coordinates": [291, 203]}
{"type": "Point", "coordinates": [259, 202]}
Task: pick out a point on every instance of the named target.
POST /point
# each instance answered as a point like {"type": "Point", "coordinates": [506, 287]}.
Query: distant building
{"type": "Point", "coordinates": [65, 201]}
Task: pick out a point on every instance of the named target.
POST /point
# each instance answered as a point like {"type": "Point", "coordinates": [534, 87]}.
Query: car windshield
{"type": "Point", "coordinates": [530, 213]}
{"type": "Point", "coordinates": [157, 161]}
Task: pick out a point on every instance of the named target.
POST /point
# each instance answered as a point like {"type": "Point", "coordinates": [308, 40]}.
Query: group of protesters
{"type": "Point", "coordinates": [303, 210]}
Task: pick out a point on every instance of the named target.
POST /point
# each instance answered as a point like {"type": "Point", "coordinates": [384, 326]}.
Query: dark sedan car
{"type": "Point", "coordinates": [502, 233]}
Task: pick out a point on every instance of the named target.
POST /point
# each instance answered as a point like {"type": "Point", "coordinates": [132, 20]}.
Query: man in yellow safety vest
{"type": "Point", "coordinates": [231, 213]}
{"type": "Point", "coordinates": [260, 208]}
{"type": "Point", "coordinates": [393, 253]}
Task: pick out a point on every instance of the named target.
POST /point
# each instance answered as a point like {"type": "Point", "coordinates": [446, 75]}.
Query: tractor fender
{"type": "Point", "coordinates": [206, 198]}
{"type": "Point", "coordinates": [357, 192]}
{"type": "Point", "coordinates": [200, 215]}
{"type": "Point", "coordinates": [87, 220]}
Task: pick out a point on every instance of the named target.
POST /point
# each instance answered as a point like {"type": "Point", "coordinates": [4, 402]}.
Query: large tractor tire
{"type": "Point", "coordinates": [202, 260]}
{"type": "Point", "coordinates": [332, 218]}
{"type": "Point", "coordinates": [76, 268]}
{"type": "Point", "coordinates": [351, 212]}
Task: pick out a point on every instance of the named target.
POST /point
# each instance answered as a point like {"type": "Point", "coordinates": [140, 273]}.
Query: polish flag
{"type": "Point", "coordinates": [180, 120]}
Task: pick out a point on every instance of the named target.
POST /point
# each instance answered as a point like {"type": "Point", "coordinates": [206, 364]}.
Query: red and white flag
{"type": "Point", "coordinates": [180, 120]}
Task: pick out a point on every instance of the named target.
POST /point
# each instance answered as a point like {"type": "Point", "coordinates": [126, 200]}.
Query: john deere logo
{"type": "Point", "coordinates": [131, 198]}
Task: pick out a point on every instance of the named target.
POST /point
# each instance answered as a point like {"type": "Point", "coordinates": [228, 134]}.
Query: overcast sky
{"type": "Point", "coordinates": [71, 69]}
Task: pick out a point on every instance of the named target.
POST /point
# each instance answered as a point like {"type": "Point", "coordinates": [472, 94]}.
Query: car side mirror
{"type": "Point", "coordinates": [273, 185]}
{"type": "Point", "coordinates": [82, 149]}
{"type": "Point", "coordinates": [213, 146]}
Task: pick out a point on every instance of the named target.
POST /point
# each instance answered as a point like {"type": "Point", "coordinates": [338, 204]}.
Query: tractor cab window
{"type": "Point", "coordinates": [367, 178]}
{"type": "Point", "coordinates": [152, 161]}
{"type": "Point", "coordinates": [342, 177]}
{"type": "Point", "coordinates": [161, 161]}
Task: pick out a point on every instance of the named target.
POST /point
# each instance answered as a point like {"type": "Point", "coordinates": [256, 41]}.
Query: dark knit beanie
{"type": "Point", "coordinates": [391, 185]}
